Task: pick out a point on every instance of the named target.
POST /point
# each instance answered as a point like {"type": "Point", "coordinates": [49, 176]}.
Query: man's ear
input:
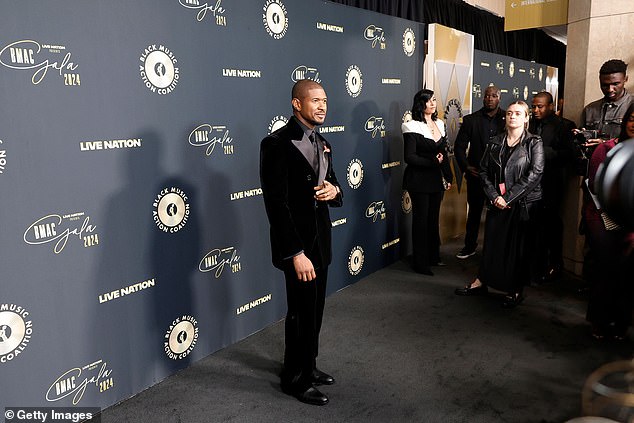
{"type": "Point", "coordinates": [297, 105]}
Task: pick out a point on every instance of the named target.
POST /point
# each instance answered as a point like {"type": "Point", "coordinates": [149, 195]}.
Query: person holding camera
{"type": "Point", "coordinates": [606, 114]}
{"type": "Point", "coordinates": [610, 301]}
{"type": "Point", "coordinates": [511, 171]}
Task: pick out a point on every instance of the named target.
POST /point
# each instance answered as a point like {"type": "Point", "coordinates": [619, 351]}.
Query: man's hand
{"type": "Point", "coordinates": [326, 192]}
{"type": "Point", "coordinates": [304, 268]}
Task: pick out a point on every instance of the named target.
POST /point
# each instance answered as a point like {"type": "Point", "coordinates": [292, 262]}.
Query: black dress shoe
{"type": "Point", "coordinates": [321, 378]}
{"type": "Point", "coordinates": [310, 395]}
{"type": "Point", "coordinates": [512, 300]}
{"type": "Point", "coordinates": [468, 290]}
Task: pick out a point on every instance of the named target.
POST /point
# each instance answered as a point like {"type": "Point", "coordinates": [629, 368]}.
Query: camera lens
{"type": "Point", "coordinates": [614, 183]}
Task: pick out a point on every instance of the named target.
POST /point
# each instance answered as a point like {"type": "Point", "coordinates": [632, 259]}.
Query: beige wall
{"type": "Point", "coordinates": [598, 30]}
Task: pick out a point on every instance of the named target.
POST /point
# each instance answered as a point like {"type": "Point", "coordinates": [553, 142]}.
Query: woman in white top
{"type": "Point", "coordinates": [426, 177]}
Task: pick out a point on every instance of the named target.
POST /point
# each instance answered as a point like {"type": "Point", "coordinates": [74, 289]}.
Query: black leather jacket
{"type": "Point", "coordinates": [522, 173]}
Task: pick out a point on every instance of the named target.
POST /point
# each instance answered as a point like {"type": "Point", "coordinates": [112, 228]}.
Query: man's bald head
{"type": "Point", "coordinates": [301, 87]}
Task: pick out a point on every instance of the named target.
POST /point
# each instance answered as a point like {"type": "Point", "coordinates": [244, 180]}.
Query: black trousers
{"type": "Point", "coordinates": [475, 199]}
{"type": "Point", "coordinates": [425, 228]}
{"type": "Point", "coordinates": [305, 302]}
{"type": "Point", "coordinates": [610, 300]}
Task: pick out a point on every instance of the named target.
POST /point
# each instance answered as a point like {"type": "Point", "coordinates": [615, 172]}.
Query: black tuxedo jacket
{"type": "Point", "coordinates": [297, 221]}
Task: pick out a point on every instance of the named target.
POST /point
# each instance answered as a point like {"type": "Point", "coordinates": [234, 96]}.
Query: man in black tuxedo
{"type": "Point", "coordinates": [298, 185]}
{"type": "Point", "coordinates": [474, 134]}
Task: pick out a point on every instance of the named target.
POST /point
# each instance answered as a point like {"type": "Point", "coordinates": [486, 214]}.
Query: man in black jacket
{"type": "Point", "coordinates": [557, 138]}
{"type": "Point", "coordinates": [473, 136]}
{"type": "Point", "coordinates": [298, 185]}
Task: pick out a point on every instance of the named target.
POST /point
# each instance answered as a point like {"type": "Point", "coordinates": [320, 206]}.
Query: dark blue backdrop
{"type": "Point", "coordinates": [132, 231]}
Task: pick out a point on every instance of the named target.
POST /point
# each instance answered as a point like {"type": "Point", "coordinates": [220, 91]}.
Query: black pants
{"type": "Point", "coordinates": [610, 300]}
{"type": "Point", "coordinates": [425, 228]}
{"type": "Point", "coordinates": [305, 302]}
{"type": "Point", "coordinates": [475, 199]}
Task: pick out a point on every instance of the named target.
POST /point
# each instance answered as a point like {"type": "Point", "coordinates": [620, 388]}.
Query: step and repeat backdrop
{"type": "Point", "coordinates": [132, 230]}
{"type": "Point", "coordinates": [517, 79]}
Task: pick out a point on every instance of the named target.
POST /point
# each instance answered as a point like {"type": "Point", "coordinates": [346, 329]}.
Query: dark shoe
{"type": "Point", "coordinates": [512, 300]}
{"type": "Point", "coordinates": [466, 253]}
{"type": "Point", "coordinates": [310, 395]}
{"type": "Point", "coordinates": [468, 290]}
{"type": "Point", "coordinates": [321, 378]}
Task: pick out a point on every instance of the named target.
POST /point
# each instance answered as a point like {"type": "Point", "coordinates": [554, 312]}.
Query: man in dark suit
{"type": "Point", "coordinates": [557, 138]}
{"type": "Point", "coordinates": [474, 134]}
{"type": "Point", "coordinates": [298, 185]}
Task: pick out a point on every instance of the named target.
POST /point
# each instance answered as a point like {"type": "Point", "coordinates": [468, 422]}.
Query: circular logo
{"type": "Point", "coordinates": [15, 332]}
{"type": "Point", "coordinates": [453, 115]}
{"type": "Point", "coordinates": [407, 116]}
{"type": "Point", "coordinates": [511, 69]}
{"type": "Point", "coordinates": [274, 18]}
{"type": "Point", "coordinates": [354, 81]}
{"type": "Point", "coordinates": [409, 42]}
{"type": "Point", "coordinates": [541, 73]}
{"type": "Point", "coordinates": [355, 173]}
{"type": "Point", "coordinates": [181, 337]}
{"type": "Point", "coordinates": [3, 158]}
{"type": "Point", "coordinates": [525, 92]}
{"type": "Point", "coordinates": [276, 123]}
{"type": "Point", "coordinates": [171, 210]}
{"type": "Point", "coordinates": [355, 260]}
{"type": "Point", "coordinates": [406, 202]}
{"type": "Point", "coordinates": [159, 71]}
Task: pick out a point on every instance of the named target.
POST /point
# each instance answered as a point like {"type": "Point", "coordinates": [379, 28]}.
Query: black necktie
{"type": "Point", "coordinates": [314, 142]}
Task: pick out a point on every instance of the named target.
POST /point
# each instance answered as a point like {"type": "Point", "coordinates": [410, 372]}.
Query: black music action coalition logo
{"type": "Point", "coordinates": [409, 42]}
{"type": "Point", "coordinates": [3, 158]}
{"type": "Point", "coordinates": [276, 123]}
{"type": "Point", "coordinates": [354, 81]}
{"type": "Point", "coordinates": [355, 173]}
{"type": "Point", "coordinates": [181, 337]}
{"type": "Point", "coordinates": [40, 58]}
{"type": "Point", "coordinates": [171, 209]}
{"type": "Point", "coordinates": [355, 260]}
{"type": "Point", "coordinates": [275, 18]}
{"type": "Point", "coordinates": [58, 229]}
{"type": "Point", "coordinates": [158, 69]}
{"type": "Point", "coordinates": [15, 331]}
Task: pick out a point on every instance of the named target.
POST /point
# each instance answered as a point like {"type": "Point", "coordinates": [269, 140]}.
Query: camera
{"type": "Point", "coordinates": [583, 151]}
{"type": "Point", "coordinates": [614, 184]}
{"type": "Point", "coordinates": [584, 135]}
